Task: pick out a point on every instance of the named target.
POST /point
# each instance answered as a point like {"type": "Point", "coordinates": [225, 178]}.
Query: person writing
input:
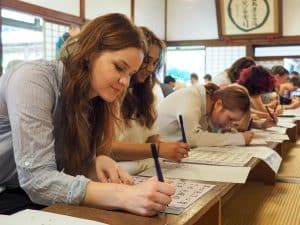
{"type": "Point", "coordinates": [57, 123]}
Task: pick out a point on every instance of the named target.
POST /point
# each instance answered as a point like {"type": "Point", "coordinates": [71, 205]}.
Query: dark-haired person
{"type": "Point", "coordinates": [285, 93]}
{"type": "Point", "coordinates": [169, 80]}
{"type": "Point", "coordinates": [194, 78]}
{"type": "Point", "coordinates": [205, 110]}
{"type": "Point", "coordinates": [294, 74]}
{"type": "Point", "coordinates": [258, 81]}
{"type": "Point", "coordinates": [138, 111]}
{"type": "Point", "coordinates": [231, 75]}
{"type": "Point", "coordinates": [207, 78]}
{"type": "Point", "coordinates": [74, 30]}
{"type": "Point", "coordinates": [57, 122]}
{"type": "Point", "coordinates": [281, 76]}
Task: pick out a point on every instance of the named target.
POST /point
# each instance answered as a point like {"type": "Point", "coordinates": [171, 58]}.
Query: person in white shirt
{"type": "Point", "coordinates": [138, 111]}
{"type": "Point", "coordinates": [231, 74]}
{"type": "Point", "coordinates": [205, 109]}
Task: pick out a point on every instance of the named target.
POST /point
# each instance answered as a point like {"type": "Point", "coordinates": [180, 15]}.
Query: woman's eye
{"type": "Point", "coordinates": [118, 68]}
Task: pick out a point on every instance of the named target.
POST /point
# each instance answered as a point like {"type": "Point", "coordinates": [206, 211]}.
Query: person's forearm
{"type": "Point", "coordinates": [130, 151]}
{"type": "Point", "coordinates": [105, 195]}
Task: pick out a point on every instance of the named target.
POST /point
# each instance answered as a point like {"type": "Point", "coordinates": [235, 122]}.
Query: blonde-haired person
{"type": "Point", "coordinates": [57, 119]}
{"type": "Point", "coordinates": [139, 113]}
{"type": "Point", "coordinates": [205, 110]}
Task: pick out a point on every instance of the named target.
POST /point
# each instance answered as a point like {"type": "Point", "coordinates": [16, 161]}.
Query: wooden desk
{"type": "Point", "coordinates": [205, 211]}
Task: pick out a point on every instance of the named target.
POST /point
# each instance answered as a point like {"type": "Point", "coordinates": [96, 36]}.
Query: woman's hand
{"type": "Point", "coordinates": [107, 170]}
{"type": "Point", "coordinates": [173, 150]}
{"type": "Point", "coordinates": [147, 198]}
{"type": "Point", "coordinates": [248, 135]}
{"type": "Point", "coordinates": [269, 122]}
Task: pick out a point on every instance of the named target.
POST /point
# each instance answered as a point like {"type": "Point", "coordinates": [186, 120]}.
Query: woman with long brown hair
{"type": "Point", "coordinates": [138, 111]}
{"type": "Point", "coordinates": [57, 120]}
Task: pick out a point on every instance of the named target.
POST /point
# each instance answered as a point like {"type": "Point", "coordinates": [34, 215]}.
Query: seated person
{"type": "Point", "coordinates": [205, 110]}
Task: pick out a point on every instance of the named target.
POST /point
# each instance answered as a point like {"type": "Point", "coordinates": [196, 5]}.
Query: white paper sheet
{"type": "Point", "coordinates": [268, 155]}
{"type": "Point", "coordinates": [221, 158]}
{"type": "Point", "coordinates": [286, 124]}
{"type": "Point", "coordinates": [278, 130]}
{"type": "Point", "coordinates": [258, 141]}
{"type": "Point", "coordinates": [36, 217]}
{"type": "Point", "coordinates": [269, 136]}
{"type": "Point", "coordinates": [186, 193]}
{"type": "Point", "coordinates": [201, 172]}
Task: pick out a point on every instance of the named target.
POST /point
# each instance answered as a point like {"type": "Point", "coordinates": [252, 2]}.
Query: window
{"type": "Point", "coordinates": [51, 35]}
{"type": "Point", "coordinates": [22, 37]}
{"type": "Point", "coordinates": [182, 61]}
{"type": "Point", "coordinates": [277, 51]}
{"type": "Point", "coordinates": [220, 58]}
{"type": "Point", "coordinates": [28, 37]}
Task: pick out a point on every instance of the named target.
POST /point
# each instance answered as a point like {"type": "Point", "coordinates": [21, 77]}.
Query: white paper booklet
{"type": "Point", "coordinates": [36, 217]}
{"type": "Point", "coordinates": [268, 155]}
{"type": "Point", "coordinates": [228, 174]}
{"type": "Point", "coordinates": [187, 192]}
{"type": "Point", "coordinates": [223, 158]}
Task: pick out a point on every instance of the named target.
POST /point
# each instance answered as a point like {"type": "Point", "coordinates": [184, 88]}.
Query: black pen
{"type": "Point", "coordinates": [182, 129]}
{"type": "Point", "coordinates": [156, 162]}
{"type": "Point", "coordinates": [270, 114]}
{"type": "Point", "coordinates": [250, 124]}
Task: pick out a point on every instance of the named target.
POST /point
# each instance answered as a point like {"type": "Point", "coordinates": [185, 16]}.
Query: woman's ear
{"type": "Point", "coordinates": [219, 104]}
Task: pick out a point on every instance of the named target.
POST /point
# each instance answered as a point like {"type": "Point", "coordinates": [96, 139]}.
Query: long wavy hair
{"type": "Point", "coordinates": [138, 103]}
{"type": "Point", "coordinates": [89, 124]}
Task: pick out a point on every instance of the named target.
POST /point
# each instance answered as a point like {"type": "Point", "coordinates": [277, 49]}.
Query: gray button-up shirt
{"type": "Point", "coordinates": [30, 147]}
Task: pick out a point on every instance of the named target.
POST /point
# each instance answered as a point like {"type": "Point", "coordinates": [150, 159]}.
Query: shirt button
{"type": "Point", "coordinates": [26, 163]}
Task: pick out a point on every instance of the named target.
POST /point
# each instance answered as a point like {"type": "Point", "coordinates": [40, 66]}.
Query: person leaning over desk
{"type": "Point", "coordinates": [57, 122]}
{"type": "Point", "coordinates": [205, 110]}
{"type": "Point", "coordinates": [138, 111]}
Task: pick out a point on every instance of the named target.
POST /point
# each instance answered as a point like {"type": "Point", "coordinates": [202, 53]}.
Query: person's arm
{"type": "Point", "coordinates": [257, 103]}
{"type": "Point", "coordinates": [259, 114]}
{"type": "Point", "coordinates": [30, 101]}
{"type": "Point", "coordinates": [131, 151]}
{"type": "Point", "coordinates": [146, 199]}
{"type": "Point", "coordinates": [294, 105]}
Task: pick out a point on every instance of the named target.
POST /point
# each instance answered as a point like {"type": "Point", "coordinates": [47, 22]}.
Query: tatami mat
{"type": "Point", "coordinates": [290, 166]}
{"type": "Point", "coordinates": [259, 204]}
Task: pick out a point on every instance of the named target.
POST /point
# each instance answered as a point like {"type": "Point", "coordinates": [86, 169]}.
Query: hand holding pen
{"type": "Point", "coordinates": [272, 116]}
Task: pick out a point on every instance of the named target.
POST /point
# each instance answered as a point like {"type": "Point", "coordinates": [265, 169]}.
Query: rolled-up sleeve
{"type": "Point", "coordinates": [30, 101]}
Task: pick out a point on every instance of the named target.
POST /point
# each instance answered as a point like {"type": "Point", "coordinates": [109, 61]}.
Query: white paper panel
{"type": "Point", "coordinates": [191, 20]}
{"type": "Point", "coordinates": [291, 9]}
{"type": "Point", "coordinates": [66, 6]}
{"type": "Point", "coordinates": [151, 14]}
{"type": "Point", "coordinates": [95, 8]}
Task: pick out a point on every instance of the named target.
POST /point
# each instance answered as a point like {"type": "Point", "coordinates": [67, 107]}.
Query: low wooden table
{"type": "Point", "coordinates": [205, 211]}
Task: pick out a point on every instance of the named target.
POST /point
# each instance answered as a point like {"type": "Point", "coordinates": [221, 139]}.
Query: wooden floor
{"type": "Point", "coordinates": [290, 167]}
{"type": "Point", "coordinates": [259, 204]}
